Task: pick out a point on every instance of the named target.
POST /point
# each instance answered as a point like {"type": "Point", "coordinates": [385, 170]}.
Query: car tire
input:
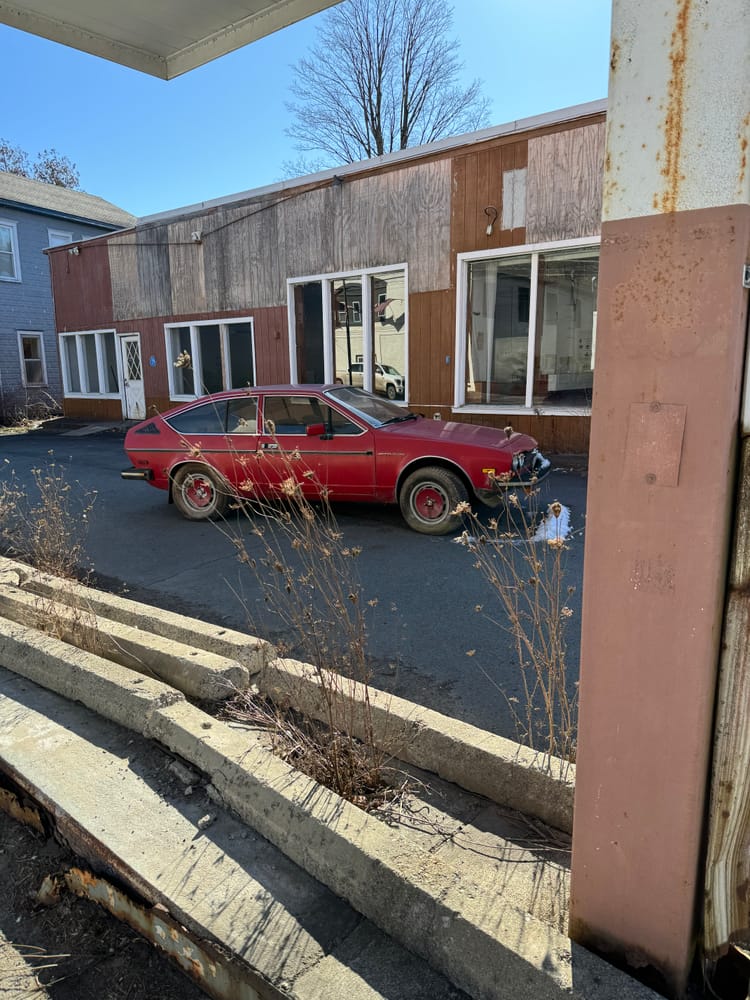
{"type": "Point", "coordinates": [427, 499]}
{"type": "Point", "coordinates": [199, 493]}
{"type": "Point", "coordinates": [390, 391]}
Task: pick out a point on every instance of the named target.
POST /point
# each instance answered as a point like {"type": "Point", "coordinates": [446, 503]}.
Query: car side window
{"type": "Point", "coordinates": [341, 424]}
{"type": "Point", "coordinates": [208, 418]}
{"type": "Point", "coordinates": [290, 414]}
{"type": "Point", "coordinates": [242, 416]}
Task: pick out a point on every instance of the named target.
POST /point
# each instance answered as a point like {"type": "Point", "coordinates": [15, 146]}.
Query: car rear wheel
{"type": "Point", "coordinates": [390, 391]}
{"type": "Point", "coordinates": [199, 493]}
{"type": "Point", "coordinates": [428, 498]}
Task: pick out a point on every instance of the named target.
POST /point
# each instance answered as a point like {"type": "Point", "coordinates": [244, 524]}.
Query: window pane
{"type": "Point", "coordinates": [6, 240]}
{"type": "Point", "coordinates": [110, 362]}
{"type": "Point", "coordinates": [243, 416]}
{"type": "Point", "coordinates": [241, 369]}
{"type": "Point", "coordinates": [181, 361]}
{"type": "Point", "coordinates": [291, 414]}
{"type": "Point", "coordinates": [31, 348]}
{"type": "Point", "coordinates": [347, 331]}
{"type": "Point", "coordinates": [210, 418]}
{"type": "Point", "coordinates": [497, 327]}
{"type": "Point", "coordinates": [308, 323]}
{"type": "Point", "coordinates": [567, 304]}
{"type": "Point", "coordinates": [389, 333]}
{"type": "Point", "coordinates": [89, 354]}
{"type": "Point", "coordinates": [70, 360]}
{"type": "Point", "coordinates": [212, 378]}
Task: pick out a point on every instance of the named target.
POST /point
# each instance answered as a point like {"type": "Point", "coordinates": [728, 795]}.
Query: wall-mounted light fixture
{"type": "Point", "coordinates": [491, 213]}
{"type": "Point", "coordinates": [74, 251]}
{"type": "Point", "coordinates": [196, 236]}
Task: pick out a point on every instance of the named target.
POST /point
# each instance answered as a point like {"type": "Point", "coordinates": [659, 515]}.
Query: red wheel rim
{"type": "Point", "coordinates": [429, 502]}
{"type": "Point", "coordinates": [199, 492]}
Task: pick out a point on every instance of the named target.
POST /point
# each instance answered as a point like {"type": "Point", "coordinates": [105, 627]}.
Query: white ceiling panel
{"type": "Point", "coordinates": [162, 37]}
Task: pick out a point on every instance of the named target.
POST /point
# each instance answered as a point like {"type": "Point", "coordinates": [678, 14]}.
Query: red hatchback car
{"type": "Point", "coordinates": [351, 443]}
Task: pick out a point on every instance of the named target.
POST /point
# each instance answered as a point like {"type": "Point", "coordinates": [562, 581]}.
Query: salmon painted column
{"type": "Point", "coordinates": [670, 351]}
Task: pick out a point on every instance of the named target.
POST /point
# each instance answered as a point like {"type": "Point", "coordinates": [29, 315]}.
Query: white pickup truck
{"type": "Point", "coordinates": [388, 382]}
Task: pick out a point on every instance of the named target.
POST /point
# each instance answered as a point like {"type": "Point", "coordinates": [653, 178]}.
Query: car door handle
{"type": "Point", "coordinates": [270, 446]}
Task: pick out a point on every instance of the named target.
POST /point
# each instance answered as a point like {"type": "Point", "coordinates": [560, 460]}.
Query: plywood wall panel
{"type": "Point", "coordinates": [564, 186]}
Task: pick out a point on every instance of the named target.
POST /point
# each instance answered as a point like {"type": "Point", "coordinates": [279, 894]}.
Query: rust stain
{"type": "Point", "coordinates": [614, 57]}
{"type": "Point", "coordinates": [13, 806]}
{"type": "Point", "coordinates": [673, 122]}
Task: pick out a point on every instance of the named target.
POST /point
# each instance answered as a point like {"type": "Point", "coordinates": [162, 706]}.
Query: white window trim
{"type": "Point", "coordinates": [101, 364]}
{"type": "Point", "coordinates": [195, 354]}
{"type": "Point", "coordinates": [13, 226]}
{"type": "Point", "coordinates": [37, 335]}
{"type": "Point", "coordinates": [462, 290]}
{"type": "Point", "coordinates": [58, 234]}
{"type": "Point", "coordinates": [326, 281]}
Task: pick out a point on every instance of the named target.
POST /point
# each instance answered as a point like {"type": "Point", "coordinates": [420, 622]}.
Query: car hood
{"type": "Point", "coordinates": [453, 433]}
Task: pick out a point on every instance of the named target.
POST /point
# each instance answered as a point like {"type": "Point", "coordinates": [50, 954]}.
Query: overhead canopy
{"type": "Point", "coordinates": [164, 38]}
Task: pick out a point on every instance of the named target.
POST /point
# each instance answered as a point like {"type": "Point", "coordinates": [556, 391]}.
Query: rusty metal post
{"type": "Point", "coordinates": [670, 356]}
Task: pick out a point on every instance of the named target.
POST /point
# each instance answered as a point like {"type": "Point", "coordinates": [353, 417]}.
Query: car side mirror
{"type": "Point", "coordinates": [315, 430]}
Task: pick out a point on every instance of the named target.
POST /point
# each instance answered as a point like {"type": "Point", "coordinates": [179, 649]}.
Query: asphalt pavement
{"type": "Point", "coordinates": [437, 635]}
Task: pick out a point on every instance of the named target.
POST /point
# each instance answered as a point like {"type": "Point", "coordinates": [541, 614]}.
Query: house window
{"type": "Point", "coordinates": [58, 238]}
{"type": "Point", "coordinates": [89, 363]}
{"type": "Point", "coordinates": [352, 329]}
{"type": "Point", "coordinates": [10, 266]}
{"type": "Point", "coordinates": [527, 326]}
{"type": "Point", "coordinates": [33, 368]}
{"type": "Point", "coordinates": [208, 357]}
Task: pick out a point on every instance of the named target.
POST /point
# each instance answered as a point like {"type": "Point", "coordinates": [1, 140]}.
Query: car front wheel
{"type": "Point", "coordinates": [390, 391]}
{"type": "Point", "coordinates": [199, 493]}
{"type": "Point", "coordinates": [428, 498]}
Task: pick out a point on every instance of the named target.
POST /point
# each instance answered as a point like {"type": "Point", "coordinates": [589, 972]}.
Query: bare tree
{"type": "Point", "coordinates": [56, 168]}
{"type": "Point", "coordinates": [14, 160]}
{"type": "Point", "coordinates": [49, 166]}
{"type": "Point", "coordinates": [382, 76]}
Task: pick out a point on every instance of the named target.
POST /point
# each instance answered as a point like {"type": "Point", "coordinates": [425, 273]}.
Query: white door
{"type": "Point", "coordinates": [135, 397]}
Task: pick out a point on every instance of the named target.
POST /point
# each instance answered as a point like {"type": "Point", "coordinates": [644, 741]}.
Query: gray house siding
{"type": "Point", "coordinates": [26, 305]}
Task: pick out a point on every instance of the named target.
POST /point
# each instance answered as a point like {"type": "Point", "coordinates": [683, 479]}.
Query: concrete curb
{"type": "Point", "coordinates": [199, 674]}
{"type": "Point", "coordinates": [247, 650]}
{"type": "Point", "coordinates": [503, 771]}
{"type": "Point", "coordinates": [490, 949]}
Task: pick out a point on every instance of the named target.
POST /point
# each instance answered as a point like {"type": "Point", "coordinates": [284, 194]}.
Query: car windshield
{"type": "Point", "coordinates": [390, 370]}
{"type": "Point", "coordinates": [372, 409]}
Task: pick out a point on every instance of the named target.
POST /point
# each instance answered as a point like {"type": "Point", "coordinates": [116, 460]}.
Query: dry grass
{"type": "Point", "coordinates": [521, 553]}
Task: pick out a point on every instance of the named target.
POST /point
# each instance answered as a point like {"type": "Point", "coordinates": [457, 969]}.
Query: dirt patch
{"type": "Point", "coordinates": [72, 950]}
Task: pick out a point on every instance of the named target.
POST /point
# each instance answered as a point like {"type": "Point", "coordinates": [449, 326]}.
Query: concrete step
{"type": "Point", "coordinates": [119, 801]}
{"type": "Point", "coordinates": [476, 889]}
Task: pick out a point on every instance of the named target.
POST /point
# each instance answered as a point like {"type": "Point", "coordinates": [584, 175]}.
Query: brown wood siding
{"type": "Point", "coordinates": [557, 435]}
{"type": "Point", "coordinates": [431, 339]}
{"type": "Point", "coordinates": [92, 409]}
{"type": "Point", "coordinates": [82, 288]}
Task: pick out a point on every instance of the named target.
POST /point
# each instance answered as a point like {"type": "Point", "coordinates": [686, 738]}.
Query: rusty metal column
{"type": "Point", "coordinates": [669, 369]}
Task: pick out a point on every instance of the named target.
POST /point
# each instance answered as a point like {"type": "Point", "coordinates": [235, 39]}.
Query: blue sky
{"type": "Point", "coordinates": [151, 145]}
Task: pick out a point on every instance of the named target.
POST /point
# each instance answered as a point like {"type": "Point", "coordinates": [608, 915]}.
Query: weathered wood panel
{"type": "Point", "coordinates": [82, 287]}
{"type": "Point", "coordinates": [123, 265]}
{"type": "Point", "coordinates": [92, 409]}
{"type": "Point", "coordinates": [564, 184]}
{"type": "Point", "coordinates": [187, 273]}
{"type": "Point", "coordinates": [154, 284]}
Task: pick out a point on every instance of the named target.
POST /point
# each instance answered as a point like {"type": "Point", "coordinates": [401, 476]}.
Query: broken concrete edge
{"type": "Point", "coordinates": [487, 949]}
{"type": "Point", "coordinates": [503, 771]}
{"type": "Point", "coordinates": [506, 772]}
{"type": "Point", "coordinates": [199, 674]}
